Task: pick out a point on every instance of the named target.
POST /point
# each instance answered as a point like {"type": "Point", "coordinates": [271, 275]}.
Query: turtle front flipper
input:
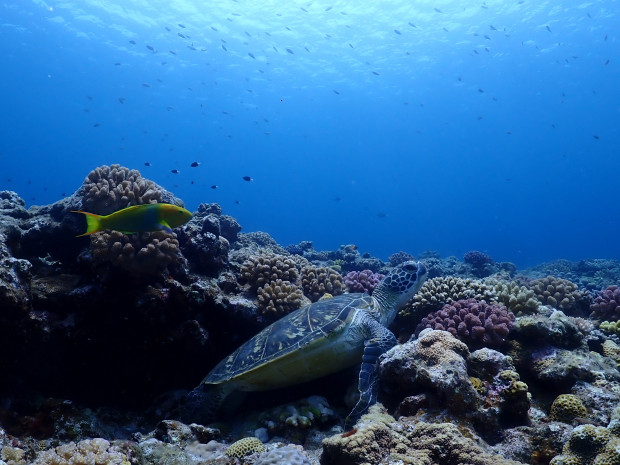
{"type": "Point", "coordinates": [202, 403]}
{"type": "Point", "coordinates": [381, 340]}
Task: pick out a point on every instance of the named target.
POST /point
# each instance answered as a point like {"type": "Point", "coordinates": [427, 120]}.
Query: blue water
{"type": "Point", "coordinates": [393, 125]}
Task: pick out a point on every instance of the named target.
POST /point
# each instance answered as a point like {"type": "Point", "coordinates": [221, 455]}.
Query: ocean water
{"type": "Point", "coordinates": [393, 125]}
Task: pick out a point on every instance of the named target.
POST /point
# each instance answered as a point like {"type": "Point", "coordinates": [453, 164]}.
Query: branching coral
{"type": "Point", "coordinates": [110, 188]}
{"type": "Point", "coordinates": [317, 281]}
{"type": "Point", "coordinates": [476, 323]}
{"type": "Point", "coordinates": [263, 268]}
{"type": "Point", "coordinates": [146, 253]}
{"type": "Point", "coordinates": [606, 305]}
{"type": "Point", "coordinates": [278, 298]}
{"type": "Point", "coordinates": [362, 281]}
{"type": "Point", "coordinates": [436, 292]}
{"type": "Point", "coordinates": [560, 293]}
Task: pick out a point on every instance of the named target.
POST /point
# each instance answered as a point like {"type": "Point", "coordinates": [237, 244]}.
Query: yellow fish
{"type": "Point", "coordinates": [139, 218]}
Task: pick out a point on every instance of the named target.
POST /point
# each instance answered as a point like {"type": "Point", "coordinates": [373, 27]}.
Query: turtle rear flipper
{"type": "Point", "coordinates": [202, 403]}
{"type": "Point", "coordinates": [381, 340]}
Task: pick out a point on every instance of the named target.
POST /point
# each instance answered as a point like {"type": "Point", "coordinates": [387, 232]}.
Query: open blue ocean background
{"type": "Point", "coordinates": [393, 125]}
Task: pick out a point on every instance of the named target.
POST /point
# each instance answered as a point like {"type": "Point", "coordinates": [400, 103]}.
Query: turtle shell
{"type": "Point", "coordinates": [302, 333]}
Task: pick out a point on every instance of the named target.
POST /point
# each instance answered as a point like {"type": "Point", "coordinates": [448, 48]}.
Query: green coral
{"type": "Point", "coordinates": [612, 327]}
{"type": "Point", "coordinates": [519, 299]}
{"type": "Point", "coordinates": [589, 445]}
{"type": "Point", "coordinates": [567, 407]}
{"type": "Point", "coordinates": [245, 446]}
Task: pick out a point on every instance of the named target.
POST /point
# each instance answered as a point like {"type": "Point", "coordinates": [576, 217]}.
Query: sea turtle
{"type": "Point", "coordinates": [314, 341]}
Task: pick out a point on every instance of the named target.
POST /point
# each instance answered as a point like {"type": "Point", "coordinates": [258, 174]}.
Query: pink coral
{"type": "Point", "coordinates": [607, 304]}
{"type": "Point", "coordinates": [362, 281]}
{"type": "Point", "coordinates": [474, 322]}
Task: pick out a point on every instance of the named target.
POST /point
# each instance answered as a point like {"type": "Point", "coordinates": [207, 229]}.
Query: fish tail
{"type": "Point", "coordinates": [93, 223]}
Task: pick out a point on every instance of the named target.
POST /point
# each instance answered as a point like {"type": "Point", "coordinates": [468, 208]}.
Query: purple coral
{"type": "Point", "coordinates": [362, 281]}
{"type": "Point", "coordinates": [477, 259]}
{"type": "Point", "coordinates": [400, 257]}
{"type": "Point", "coordinates": [607, 304]}
{"type": "Point", "coordinates": [474, 322]}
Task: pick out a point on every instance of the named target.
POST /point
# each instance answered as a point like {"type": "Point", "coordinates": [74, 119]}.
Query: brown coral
{"type": "Point", "coordinates": [560, 294]}
{"type": "Point", "coordinates": [145, 254]}
{"type": "Point", "coordinates": [316, 281]}
{"type": "Point", "coordinates": [89, 451]}
{"type": "Point", "coordinates": [107, 189]}
{"type": "Point", "coordinates": [278, 298]}
{"type": "Point", "coordinates": [263, 268]}
{"type": "Point", "coordinates": [439, 291]}
{"type": "Point", "coordinates": [519, 299]}
{"type": "Point", "coordinates": [567, 407]}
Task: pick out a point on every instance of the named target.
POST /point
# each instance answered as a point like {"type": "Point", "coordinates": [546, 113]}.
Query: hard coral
{"type": "Point", "coordinates": [475, 322]}
{"type": "Point", "coordinates": [584, 447]}
{"type": "Point", "coordinates": [107, 189]}
{"type": "Point", "coordinates": [400, 257]}
{"type": "Point", "coordinates": [560, 294]}
{"type": "Point", "coordinates": [519, 299]}
{"type": "Point", "coordinates": [317, 281]}
{"type": "Point", "coordinates": [436, 292]}
{"type": "Point", "coordinates": [143, 254]}
{"type": "Point", "coordinates": [477, 259]}
{"type": "Point", "coordinates": [90, 451]}
{"type": "Point", "coordinates": [362, 281]}
{"type": "Point", "coordinates": [278, 298]}
{"type": "Point", "coordinates": [262, 268]}
{"type": "Point", "coordinates": [245, 446]}
{"type": "Point", "coordinates": [606, 305]}
{"type": "Point", "coordinates": [567, 407]}
{"type": "Point", "coordinates": [289, 455]}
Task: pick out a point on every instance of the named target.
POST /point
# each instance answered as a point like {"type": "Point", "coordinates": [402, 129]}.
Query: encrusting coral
{"type": "Point", "coordinates": [107, 189]}
{"type": "Point", "coordinates": [317, 281]}
{"type": "Point", "coordinates": [476, 323]}
{"type": "Point", "coordinates": [278, 298]}
{"type": "Point", "coordinates": [143, 254]}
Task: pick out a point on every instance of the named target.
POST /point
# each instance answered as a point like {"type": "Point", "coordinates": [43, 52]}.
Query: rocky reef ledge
{"type": "Point", "coordinates": [100, 336]}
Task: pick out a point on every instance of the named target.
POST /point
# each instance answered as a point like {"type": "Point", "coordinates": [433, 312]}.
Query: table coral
{"type": "Point", "coordinates": [143, 254]}
{"type": "Point", "coordinates": [606, 305]}
{"type": "Point", "coordinates": [476, 323]}
{"type": "Point", "coordinates": [278, 298]}
{"type": "Point", "coordinates": [316, 281]}
{"type": "Point", "coordinates": [362, 281]}
{"type": "Point", "coordinates": [107, 189]}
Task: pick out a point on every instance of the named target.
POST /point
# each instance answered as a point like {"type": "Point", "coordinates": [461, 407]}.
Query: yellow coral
{"type": "Point", "coordinates": [261, 269]}
{"type": "Point", "coordinates": [611, 350]}
{"type": "Point", "coordinates": [279, 298]}
{"type": "Point", "coordinates": [317, 281]}
{"type": "Point", "coordinates": [13, 455]}
{"type": "Point", "coordinates": [612, 327]}
{"type": "Point", "coordinates": [86, 452]}
{"type": "Point", "coordinates": [245, 446]}
{"type": "Point", "coordinates": [477, 384]}
{"type": "Point", "coordinates": [558, 293]}
{"type": "Point", "coordinates": [567, 407]}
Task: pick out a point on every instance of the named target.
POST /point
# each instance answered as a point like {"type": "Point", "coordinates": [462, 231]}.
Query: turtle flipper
{"type": "Point", "coordinates": [202, 403]}
{"type": "Point", "coordinates": [381, 340]}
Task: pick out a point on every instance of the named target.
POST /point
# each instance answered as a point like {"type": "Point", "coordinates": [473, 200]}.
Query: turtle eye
{"type": "Point", "coordinates": [412, 267]}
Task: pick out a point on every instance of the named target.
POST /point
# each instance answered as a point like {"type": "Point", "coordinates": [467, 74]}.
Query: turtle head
{"type": "Point", "coordinates": [399, 286]}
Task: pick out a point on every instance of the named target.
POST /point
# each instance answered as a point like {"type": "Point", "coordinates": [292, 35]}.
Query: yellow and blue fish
{"type": "Point", "coordinates": [139, 218]}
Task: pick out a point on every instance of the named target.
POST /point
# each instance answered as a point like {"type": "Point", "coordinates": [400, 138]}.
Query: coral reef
{"type": "Point", "coordinates": [86, 452]}
{"type": "Point", "coordinates": [589, 445]}
{"type": "Point", "coordinates": [316, 281]}
{"type": "Point", "coordinates": [140, 254]}
{"type": "Point", "coordinates": [277, 298]}
{"type": "Point", "coordinates": [400, 257]}
{"type": "Point", "coordinates": [264, 268]}
{"type": "Point", "coordinates": [519, 299]}
{"type": "Point", "coordinates": [434, 364]}
{"type": "Point", "coordinates": [245, 446]}
{"type": "Point", "coordinates": [289, 455]}
{"type": "Point", "coordinates": [477, 259]}
{"type": "Point", "coordinates": [606, 305]}
{"type": "Point", "coordinates": [474, 322]}
{"type": "Point", "coordinates": [567, 407]}
{"type": "Point", "coordinates": [560, 294]}
{"type": "Point", "coordinates": [107, 189]}
{"type": "Point", "coordinates": [362, 281]}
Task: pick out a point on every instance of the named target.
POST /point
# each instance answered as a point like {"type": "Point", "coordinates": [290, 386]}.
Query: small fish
{"type": "Point", "coordinates": [487, 37]}
{"type": "Point", "coordinates": [122, 100]}
{"type": "Point", "coordinates": [175, 171]}
{"type": "Point", "coordinates": [437, 10]}
{"type": "Point", "coordinates": [306, 49]}
{"type": "Point", "coordinates": [548, 28]}
{"type": "Point", "coordinates": [411, 24]}
{"type": "Point", "coordinates": [336, 92]}
{"type": "Point", "coordinates": [138, 218]}
{"type": "Point", "coordinates": [247, 178]}
{"type": "Point", "coordinates": [194, 164]}
{"type": "Point", "coordinates": [493, 28]}
{"type": "Point", "coordinates": [328, 8]}
{"type": "Point", "coordinates": [181, 25]}
{"type": "Point", "coordinates": [290, 51]}
{"type": "Point", "coordinates": [607, 62]}
{"type": "Point", "coordinates": [237, 202]}
{"type": "Point", "coordinates": [144, 84]}
{"type": "Point", "coordinates": [481, 90]}
{"type": "Point", "coordinates": [375, 73]}
{"type": "Point", "coordinates": [132, 42]}
{"type": "Point", "coordinates": [224, 48]}
{"type": "Point", "coordinates": [167, 29]}
{"type": "Point", "coordinates": [147, 163]}
{"type": "Point", "coordinates": [251, 55]}
{"type": "Point", "coordinates": [150, 47]}
{"type": "Point", "coordinates": [180, 35]}
{"type": "Point", "coordinates": [173, 52]}
{"type": "Point", "coordinates": [303, 9]}
{"type": "Point", "coordinates": [596, 137]}
{"type": "Point", "coordinates": [96, 125]}
{"type": "Point", "coordinates": [384, 215]}
{"type": "Point", "coordinates": [117, 64]}
{"type": "Point", "coordinates": [214, 186]}
{"type": "Point", "coordinates": [215, 29]}
{"type": "Point", "coordinates": [396, 31]}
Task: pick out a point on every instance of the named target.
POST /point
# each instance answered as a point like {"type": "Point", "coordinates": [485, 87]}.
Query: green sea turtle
{"type": "Point", "coordinates": [314, 341]}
